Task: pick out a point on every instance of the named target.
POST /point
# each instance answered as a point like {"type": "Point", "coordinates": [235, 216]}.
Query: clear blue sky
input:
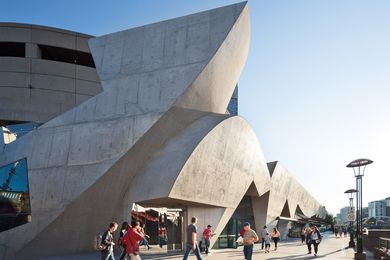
{"type": "Point", "coordinates": [316, 87]}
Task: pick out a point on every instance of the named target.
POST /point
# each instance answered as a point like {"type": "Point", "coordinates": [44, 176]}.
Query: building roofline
{"type": "Point", "coordinates": [43, 27]}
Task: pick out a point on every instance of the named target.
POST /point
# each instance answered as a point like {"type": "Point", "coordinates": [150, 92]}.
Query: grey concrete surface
{"type": "Point", "coordinates": [158, 134]}
{"type": "Point", "coordinates": [33, 89]}
{"type": "Point", "coordinates": [330, 248]}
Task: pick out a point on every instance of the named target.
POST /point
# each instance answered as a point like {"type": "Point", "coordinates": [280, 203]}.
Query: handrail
{"type": "Point", "coordinates": [384, 243]}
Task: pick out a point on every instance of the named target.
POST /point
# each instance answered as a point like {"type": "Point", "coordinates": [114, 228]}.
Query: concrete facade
{"type": "Point", "coordinates": [161, 118]}
{"type": "Point", "coordinates": [36, 89]}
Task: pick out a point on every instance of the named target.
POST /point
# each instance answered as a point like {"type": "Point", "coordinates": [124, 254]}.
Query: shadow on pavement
{"type": "Point", "coordinates": [306, 256]}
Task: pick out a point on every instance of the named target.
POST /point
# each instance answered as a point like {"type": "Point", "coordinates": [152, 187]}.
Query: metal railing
{"type": "Point", "coordinates": [384, 244]}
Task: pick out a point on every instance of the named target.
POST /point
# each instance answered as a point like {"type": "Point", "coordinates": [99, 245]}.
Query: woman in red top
{"type": "Point", "coordinates": [131, 240]}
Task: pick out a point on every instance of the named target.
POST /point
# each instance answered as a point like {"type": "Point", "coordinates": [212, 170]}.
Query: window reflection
{"type": "Point", "coordinates": [15, 207]}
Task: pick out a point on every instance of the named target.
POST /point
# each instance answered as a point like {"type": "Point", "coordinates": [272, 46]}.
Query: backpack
{"type": "Point", "coordinates": [97, 242]}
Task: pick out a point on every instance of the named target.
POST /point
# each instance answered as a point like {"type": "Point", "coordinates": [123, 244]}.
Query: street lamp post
{"type": "Point", "coordinates": [359, 167]}
{"type": "Point", "coordinates": [351, 215]}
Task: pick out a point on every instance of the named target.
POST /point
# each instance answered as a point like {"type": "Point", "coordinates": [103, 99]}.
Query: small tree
{"type": "Point", "coordinates": [331, 220]}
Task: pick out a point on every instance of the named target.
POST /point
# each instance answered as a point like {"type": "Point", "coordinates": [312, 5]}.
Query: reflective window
{"type": "Point", "coordinates": [12, 49]}
{"type": "Point", "coordinates": [66, 55]}
{"type": "Point", "coordinates": [15, 207]}
{"type": "Point", "coordinates": [233, 104]}
{"type": "Point", "coordinates": [231, 232]}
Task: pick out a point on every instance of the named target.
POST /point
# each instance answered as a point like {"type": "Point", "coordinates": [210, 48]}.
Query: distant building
{"type": "Point", "coordinates": [365, 212]}
{"type": "Point", "coordinates": [338, 218]}
{"type": "Point", "coordinates": [344, 214]}
{"type": "Point", "coordinates": [377, 208]}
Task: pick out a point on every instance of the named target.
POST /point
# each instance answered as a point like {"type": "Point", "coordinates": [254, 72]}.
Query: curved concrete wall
{"type": "Point", "coordinates": [160, 118]}
{"type": "Point", "coordinates": [34, 89]}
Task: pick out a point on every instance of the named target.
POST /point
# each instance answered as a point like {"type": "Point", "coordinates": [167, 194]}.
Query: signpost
{"type": "Point", "coordinates": [351, 214]}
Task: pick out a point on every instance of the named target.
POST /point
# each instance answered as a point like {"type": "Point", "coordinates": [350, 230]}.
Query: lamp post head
{"type": "Point", "coordinates": [357, 164]}
{"type": "Point", "coordinates": [350, 193]}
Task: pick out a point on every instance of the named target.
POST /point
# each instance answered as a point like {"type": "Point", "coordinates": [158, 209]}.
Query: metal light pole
{"type": "Point", "coordinates": [359, 167]}
{"type": "Point", "coordinates": [351, 215]}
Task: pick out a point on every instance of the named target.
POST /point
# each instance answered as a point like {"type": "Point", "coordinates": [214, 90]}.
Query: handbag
{"type": "Point", "coordinates": [239, 240]}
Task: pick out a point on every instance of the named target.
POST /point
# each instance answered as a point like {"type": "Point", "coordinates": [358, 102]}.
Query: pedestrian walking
{"type": "Point", "coordinates": [267, 241]}
{"type": "Point", "coordinates": [131, 240]}
{"type": "Point", "coordinates": [162, 235]}
{"type": "Point", "coordinates": [264, 233]}
{"type": "Point", "coordinates": [275, 237]}
{"type": "Point", "coordinates": [125, 227]}
{"type": "Point", "coordinates": [249, 238]}
{"type": "Point", "coordinates": [145, 240]}
{"type": "Point", "coordinates": [192, 244]}
{"type": "Point", "coordinates": [308, 239]}
{"type": "Point", "coordinates": [303, 236]}
{"type": "Point", "coordinates": [108, 241]}
{"type": "Point", "coordinates": [207, 235]}
{"type": "Point", "coordinates": [316, 239]}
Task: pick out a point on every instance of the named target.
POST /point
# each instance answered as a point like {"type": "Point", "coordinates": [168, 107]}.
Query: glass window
{"type": "Point", "coordinates": [13, 131]}
{"type": "Point", "coordinates": [66, 55]}
{"type": "Point", "coordinates": [12, 49]}
{"type": "Point", "coordinates": [15, 207]}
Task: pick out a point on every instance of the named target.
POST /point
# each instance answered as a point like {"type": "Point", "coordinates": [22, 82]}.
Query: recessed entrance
{"type": "Point", "coordinates": [163, 226]}
{"type": "Point", "coordinates": [231, 232]}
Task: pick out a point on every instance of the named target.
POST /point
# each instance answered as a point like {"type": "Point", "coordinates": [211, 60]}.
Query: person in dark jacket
{"type": "Point", "coordinates": [308, 232]}
{"type": "Point", "coordinates": [108, 241]}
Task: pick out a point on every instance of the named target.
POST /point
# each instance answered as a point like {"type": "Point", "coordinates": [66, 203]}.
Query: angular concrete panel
{"type": "Point", "coordinates": [161, 118]}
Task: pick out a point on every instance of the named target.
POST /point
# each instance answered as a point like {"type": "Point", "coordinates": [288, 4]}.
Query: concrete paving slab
{"type": "Point", "coordinates": [330, 248]}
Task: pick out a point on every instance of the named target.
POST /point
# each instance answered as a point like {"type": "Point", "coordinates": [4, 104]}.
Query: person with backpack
{"type": "Point", "coordinates": [131, 240]}
{"type": "Point", "coordinates": [108, 241]}
{"type": "Point", "coordinates": [125, 227]}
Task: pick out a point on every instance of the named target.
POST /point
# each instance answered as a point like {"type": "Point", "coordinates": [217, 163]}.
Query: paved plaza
{"type": "Point", "coordinates": [330, 248]}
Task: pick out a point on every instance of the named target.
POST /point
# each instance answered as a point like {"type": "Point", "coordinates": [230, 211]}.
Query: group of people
{"type": "Point", "coordinates": [130, 238]}
{"type": "Point", "coordinates": [249, 238]}
{"type": "Point", "coordinates": [312, 236]}
{"type": "Point", "coordinates": [266, 238]}
{"type": "Point", "coordinates": [192, 245]}
{"type": "Point", "coordinates": [340, 231]}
